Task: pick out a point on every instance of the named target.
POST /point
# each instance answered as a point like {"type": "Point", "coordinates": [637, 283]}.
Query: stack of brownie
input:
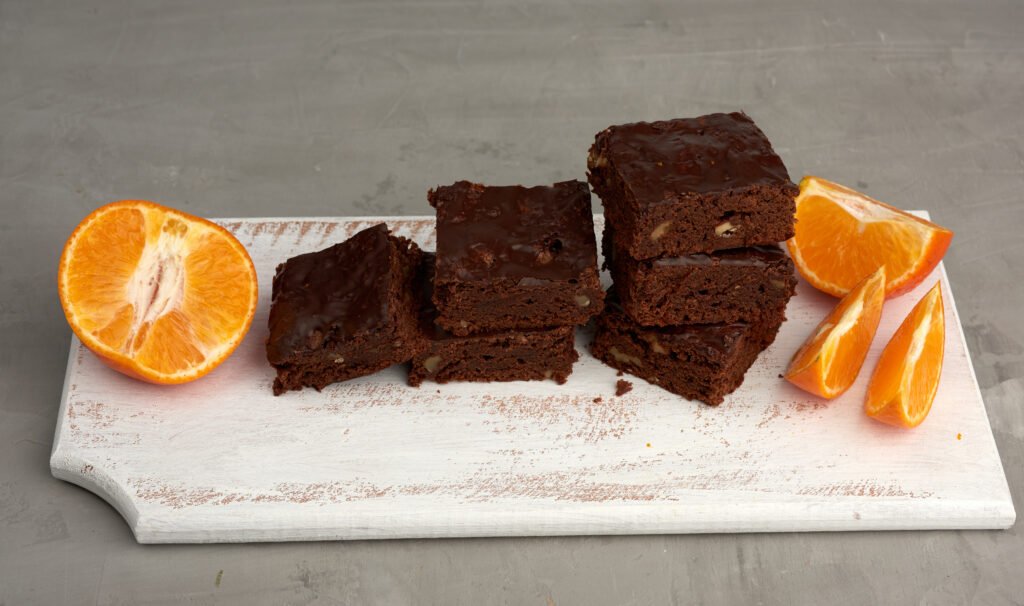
{"type": "Point", "coordinates": [694, 209]}
{"type": "Point", "coordinates": [514, 273]}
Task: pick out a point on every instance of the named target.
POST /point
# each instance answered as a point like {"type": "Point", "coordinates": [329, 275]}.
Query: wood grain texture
{"type": "Point", "coordinates": [222, 460]}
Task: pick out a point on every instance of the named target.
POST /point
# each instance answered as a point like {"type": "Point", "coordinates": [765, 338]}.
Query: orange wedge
{"type": "Point", "coordinates": [827, 363]}
{"type": "Point", "coordinates": [843, 235]}
{"type": "Point", "coordinates": [907, 375]}
{"type": "Point", "coordinates": [157, 294]}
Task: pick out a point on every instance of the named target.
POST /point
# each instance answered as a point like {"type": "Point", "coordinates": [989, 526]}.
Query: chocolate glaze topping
{"type": "Point", "coordinates": [671, 158]}
{"type": "Point", "coordinates": [339, 292]}
{"type": "Point", "coordinates": [753, 256]}
{"type": "Point", "coordinates": [528, 234]}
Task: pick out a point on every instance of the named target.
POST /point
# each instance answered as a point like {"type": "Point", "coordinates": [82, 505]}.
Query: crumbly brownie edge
{"type": "Point", "coordinates": [655, 295]}
{"type": "Point", "coordinates": [624, 353]}
{"type": "Point", "coordinates": [706, 380]}
{"type": "Point", "coordinates": [508, 356]}
{"type": "Point", "coordinates": [406, 297]}
{"type": "Point", "coordinates": [466, 308]}
{"type": "Point", "coordinates": [320, 371]}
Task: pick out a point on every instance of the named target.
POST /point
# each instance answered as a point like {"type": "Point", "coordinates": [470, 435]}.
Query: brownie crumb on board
{"type": "Point", "coordinates": [623, 387]}
{"type": "Point", "coordinates": [598, 400]}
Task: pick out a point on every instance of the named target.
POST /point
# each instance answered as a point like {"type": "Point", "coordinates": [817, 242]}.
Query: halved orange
{"type": "Point", "coordinates": [843, 235]}
{"type": "Point", "coordinates": [906, 378]}
{"type": "Point", "coordinates": [157, 294]}
{"type": "Point", "coordinates": [827, 363]}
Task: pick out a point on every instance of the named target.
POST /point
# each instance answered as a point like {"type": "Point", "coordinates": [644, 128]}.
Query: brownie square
{"type": "Point", "coordinates": [345, 311]}
{"type": "Point", "coordinates": [697, 361]}
{"type": "Point", "coordinates": [691, 185]}
{"type": "Point", "coordinates": [736, 284]}
{"type": "Point", "coordinates": [494, 356]}
{"type": "Point", "coordinates": [514, 258]}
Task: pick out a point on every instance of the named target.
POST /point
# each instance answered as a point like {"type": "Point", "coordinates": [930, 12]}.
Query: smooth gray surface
{"type": "Point", "coordinates": [312, 108]}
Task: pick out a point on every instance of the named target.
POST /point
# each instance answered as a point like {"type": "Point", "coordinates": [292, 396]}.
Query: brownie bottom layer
{"type": "Point", "coordinates": [466, 309]}
{"type": "Point", "coordinates": [699, 362]}
{"type": "Point", "coordinates": [735, 285]}
{"type": "Point", "coordinates": [505, 356]}
{"type": "Point", "coordinates": [320, 369]}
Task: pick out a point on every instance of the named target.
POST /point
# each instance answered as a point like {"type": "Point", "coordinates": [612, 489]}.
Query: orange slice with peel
{"type": "Point", "coordinates": [843, 235]}
{"type": "Point", "coordinates": [906, 377]}
{"type": "Point", "coordinates": [827, 363]}
{"type": "Point", "coordinates": [157, 294]}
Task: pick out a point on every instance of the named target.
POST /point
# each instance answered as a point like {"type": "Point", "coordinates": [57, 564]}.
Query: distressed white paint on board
{"type": "Point", "coordinates": [223, 460]}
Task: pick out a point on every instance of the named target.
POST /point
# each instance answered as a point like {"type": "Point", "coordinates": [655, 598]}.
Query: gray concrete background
{"type": "Point", "coordinates": [319, 108]}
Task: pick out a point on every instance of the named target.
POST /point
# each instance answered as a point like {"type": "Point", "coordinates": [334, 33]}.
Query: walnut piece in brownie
{"type": "Point", "coordinates": [737, 284]}
{"type": "Point", "coordinates": [345, 311]}
{"type": "Point", "coordinates": [682, 186]}
{"type": "Point", "coordinates": [698, 361]}
{"type": "Point", "coordinates": [509, 355]}
{"type": "Point", "coordinates": [515, 258]}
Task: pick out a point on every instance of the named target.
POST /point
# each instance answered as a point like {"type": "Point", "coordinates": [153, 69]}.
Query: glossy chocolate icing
{"type": "Point", "coordinates": [692, 156]}
{"type": "Point", "coordinates": [339, 292]}
{"type": "Point", "coordinates": [753, 256]}
{"type": "Point", "coordinates": [529, 234]}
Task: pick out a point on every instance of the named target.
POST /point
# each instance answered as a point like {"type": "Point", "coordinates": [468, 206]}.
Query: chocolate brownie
{"type": "Point", "coordinates": [494, 356]}
{"type": "Point", "coordinates": [691, 185]}
{"type": "Point", "coordinates": [515, 258]}
{"type": "Point", "coordinates": [729, 285]}
{"type": "Point", "coordinates": [345, 311]}
{"type": "Point", "coordinates": [697, 361]}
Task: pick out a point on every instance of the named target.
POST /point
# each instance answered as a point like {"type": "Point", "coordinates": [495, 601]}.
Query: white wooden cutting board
{"type": "Point", "coordinates": [223, 460]}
